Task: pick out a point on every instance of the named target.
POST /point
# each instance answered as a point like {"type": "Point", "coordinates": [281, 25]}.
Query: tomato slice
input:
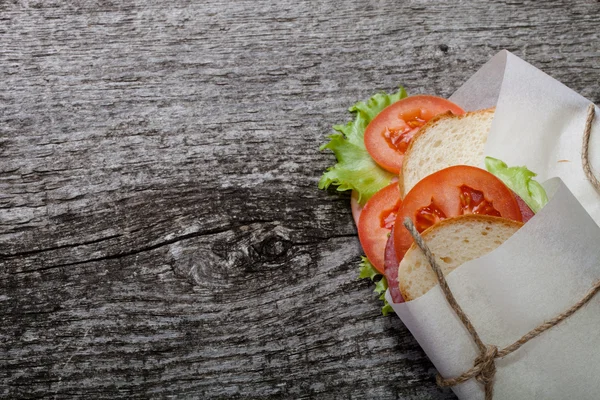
{"type": "Point", "coordinates": [355, 205]}
{"type": "Point", "coordinates": [388, 135]}
{"type": "Point", "coordinates": [451, 192]}
{"type": "Point", "coordinates": [376, 221]}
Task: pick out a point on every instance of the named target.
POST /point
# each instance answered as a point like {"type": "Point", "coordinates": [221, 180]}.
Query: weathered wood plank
{"type": "Point", "coordinates": [161, 233]}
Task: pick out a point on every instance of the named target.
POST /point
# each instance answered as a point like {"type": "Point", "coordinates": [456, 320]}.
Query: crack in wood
{"type": "Point", "coordinates": [58, 247]}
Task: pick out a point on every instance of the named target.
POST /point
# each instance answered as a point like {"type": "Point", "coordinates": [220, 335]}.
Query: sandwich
{"type": "Point", "coordinates": [420, 157]}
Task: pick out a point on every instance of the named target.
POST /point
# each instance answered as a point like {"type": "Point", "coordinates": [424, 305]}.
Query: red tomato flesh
{"type": "Point", "coordinates": [376, 221]}
{"type": "Point", "coordinates": [388, 135]}
{"type": "Point", "coordinates": [451, 192]}
{"type": "Point", "coordinates": [356, 207]}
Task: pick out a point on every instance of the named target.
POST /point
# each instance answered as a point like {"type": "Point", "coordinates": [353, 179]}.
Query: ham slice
{"type": "Point", "coordinates": [390, 266]}
{"type": "Point", "coordinates": [526, 212]}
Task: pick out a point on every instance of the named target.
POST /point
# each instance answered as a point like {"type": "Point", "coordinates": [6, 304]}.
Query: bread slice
{"type": "Point", "coordinates": [446, 140]}
{"type": "Point", "coordinates": [453, 242]}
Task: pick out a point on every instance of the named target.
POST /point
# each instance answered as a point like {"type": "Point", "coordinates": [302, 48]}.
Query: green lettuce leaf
{"type": "Point", "coordinates": [519, 180]}
{"type": "Point", "coordinates": [366, 270]}
{"type": "Point", "coordinates": [355, 169]}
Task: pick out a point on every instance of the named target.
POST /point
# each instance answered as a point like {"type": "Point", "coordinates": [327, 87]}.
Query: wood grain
{"type": "Point", "coordinates": [161, 233]}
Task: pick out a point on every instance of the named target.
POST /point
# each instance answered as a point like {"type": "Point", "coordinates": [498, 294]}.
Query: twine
{"type": "Point", "coordinates": [585, 161]}
{"type": "Point", "coordinates": [484, 366]}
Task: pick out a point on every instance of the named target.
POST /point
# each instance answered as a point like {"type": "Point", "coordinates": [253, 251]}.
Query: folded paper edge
{"type": "Point", "coordinates": [491, 72]}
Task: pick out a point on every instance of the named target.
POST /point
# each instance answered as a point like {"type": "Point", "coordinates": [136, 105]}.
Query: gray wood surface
{"type": "Point", "coordinates": [161, 231]}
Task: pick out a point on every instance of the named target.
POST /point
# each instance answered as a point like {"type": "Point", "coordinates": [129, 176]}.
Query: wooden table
{"type": "Point", "coordinates": [162, 234]}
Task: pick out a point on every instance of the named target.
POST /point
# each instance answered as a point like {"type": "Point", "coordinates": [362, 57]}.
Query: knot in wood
{"type": "Point", "coordinates": [272, 247]}
{"type": "Point", "coordinates": [486, 364]}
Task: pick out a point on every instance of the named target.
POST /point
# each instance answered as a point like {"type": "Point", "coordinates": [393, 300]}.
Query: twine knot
{"type": "Point", "coordinates": [483, 370]}
{"type": "Point", "coordinates": [487, 365]}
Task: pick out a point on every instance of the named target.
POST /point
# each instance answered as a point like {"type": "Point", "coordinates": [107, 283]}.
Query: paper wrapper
{"type": "Point", "coordinates": [542, 270]}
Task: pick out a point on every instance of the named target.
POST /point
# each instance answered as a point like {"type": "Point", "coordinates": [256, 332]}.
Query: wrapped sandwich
{"type": "Point", "coordinates": [516, 251]}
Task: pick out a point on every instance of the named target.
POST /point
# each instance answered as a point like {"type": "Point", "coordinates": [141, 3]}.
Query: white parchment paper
{"type": "Point", "coordinates": [538, 123]}
{"type": "Point", "coordinates": [544, 268]}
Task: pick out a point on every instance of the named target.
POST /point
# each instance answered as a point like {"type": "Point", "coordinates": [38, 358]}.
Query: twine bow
{"type": "Point", "coordinates": [484, 366]}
